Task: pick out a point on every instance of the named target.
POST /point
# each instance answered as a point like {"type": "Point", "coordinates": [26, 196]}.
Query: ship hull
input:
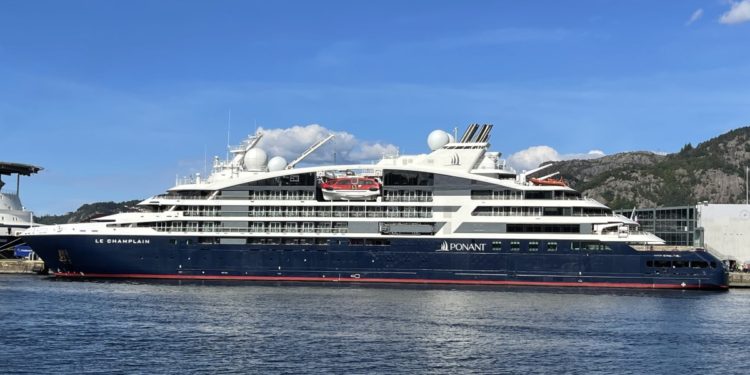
{"type": "Point", "coordinates": [6, 239]}
{"type": "Point", "coordinates": [418, 261]}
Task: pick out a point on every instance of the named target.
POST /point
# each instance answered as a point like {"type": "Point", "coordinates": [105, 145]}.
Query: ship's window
{"type": "Point", "coordinates": [538, 194]}
{"type": "Point", "coordinates": [497, 245]}
{"type": "Point", "coordinates": [377, 242]}
{"type": "Point", "coordinates": [533, 245]}
{"type": "Point", "coordinates": [551, 246]}
{"type": "Point", "coordinates": [409, 178]}
{"type": "Point", "coordinates": [515, 245]}
{"type": "Point", "coordinates": [482, 211]}
{"type": "Point", "coordinates": [650, 263]}
{"type": "Point", "coordinates": [273, 241]}
{"type": "Point", "coordinates": [662, 264]}
{"type": "Point", "coordinates": [542, 228]}
{"type": "Point", "coordinates": [698, 264]}
{"type": "Point", "coordinates": [590, 246]}
{"type": "Point", "coordinates": [173, 241]}
{"type": "Point", "coordinates": [305, 179]}
{"type": "Point", "coordinates": [553, 211]}
{"type": "Point", "coordinates": [680, 264]}
{"type": "Point", "coordinates": [713, 264]}
{"type": "Point", "coordinates": [356, 242]}
{"type": "Point", "coordinates": [481, 194]}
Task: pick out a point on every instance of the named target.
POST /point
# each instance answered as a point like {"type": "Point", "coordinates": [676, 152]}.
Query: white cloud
{"type": "Point", "coordinates": [291, 142]}
{"type": "Point", "coordinates": [740, 12]}
{"type": "Point", "coordinates": [696, 16]}
{"type": "Point", "coordinates": [532, 157]}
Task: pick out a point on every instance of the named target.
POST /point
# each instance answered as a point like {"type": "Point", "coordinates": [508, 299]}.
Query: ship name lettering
{"type": "Point", "coordinates": [466, 247]}
{"type": "Point", "coordinates": [134, 241]}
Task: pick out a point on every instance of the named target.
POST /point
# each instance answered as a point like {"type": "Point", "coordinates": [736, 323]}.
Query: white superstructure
{"type": "Point", "coordinates": [14, 218]}
{"type": "Point", "coordinates": [459, 190]}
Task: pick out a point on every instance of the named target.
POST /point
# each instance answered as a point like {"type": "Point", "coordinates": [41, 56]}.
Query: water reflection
{"type": "Point", "coordinates": [170, 327]}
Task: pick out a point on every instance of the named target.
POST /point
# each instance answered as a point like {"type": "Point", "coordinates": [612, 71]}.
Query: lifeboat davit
{"type": "Point", "coordinates": [350, 189]}
{"type": "Point", "coordinates": [548, 182]}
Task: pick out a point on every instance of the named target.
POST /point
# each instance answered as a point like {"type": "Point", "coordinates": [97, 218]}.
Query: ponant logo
{"type": "Point", "coordinates": [446, 246]}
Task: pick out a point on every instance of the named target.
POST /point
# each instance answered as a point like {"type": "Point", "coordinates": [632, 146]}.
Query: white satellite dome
{"type": "Point", "coordinates": [437, 139]}
{"type": "Point", "coordinates": [255, 159]}
{"type": "Point", "coordinates": [276, 163]}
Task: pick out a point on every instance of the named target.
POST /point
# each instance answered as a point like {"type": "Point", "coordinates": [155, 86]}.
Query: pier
{"type": "Point", "coordinates": [21, 266]}
{"type": "Point", "coordinates": [739, 280]}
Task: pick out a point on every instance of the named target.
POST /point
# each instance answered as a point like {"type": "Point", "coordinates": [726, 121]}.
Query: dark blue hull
{"type": "Point", "coordinates": [5, 239]}
{"type": "Point", "coordinates": [6, 243]}
{"type": "Point", "coordinates": [429, 261]}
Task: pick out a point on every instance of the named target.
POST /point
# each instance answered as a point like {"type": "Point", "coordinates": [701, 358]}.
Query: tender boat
{"type": "Point", "coordinates": [548, 181]}
{"type": "Point", "coordinates": [350, 189]}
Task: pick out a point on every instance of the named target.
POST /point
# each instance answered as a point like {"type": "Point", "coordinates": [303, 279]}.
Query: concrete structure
{"type": "Point", "coordinates": [722, 228]}
{"type": "Point", "coordinates": [21, 266]}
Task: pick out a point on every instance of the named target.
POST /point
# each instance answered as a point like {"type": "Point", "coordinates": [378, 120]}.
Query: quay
{"type": "Point", "coordinates": [739, 280]}
{"type": "Point", "coordinates": [21, 266]}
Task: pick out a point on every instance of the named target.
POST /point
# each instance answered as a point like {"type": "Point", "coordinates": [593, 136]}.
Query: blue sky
{"type": "Point", "coordinates": [114, 98]}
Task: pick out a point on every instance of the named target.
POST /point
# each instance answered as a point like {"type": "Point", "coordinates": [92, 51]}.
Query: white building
{"type": "Point", "coordinates": [725, 228]}
{"type": "Point", "coordinates": [722, 228]}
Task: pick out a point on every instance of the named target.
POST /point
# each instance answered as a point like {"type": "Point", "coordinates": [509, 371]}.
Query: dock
{"type": "Point", "coordinates": [739, 280]}
{"type": "Point", "coordinates": [21, 266]}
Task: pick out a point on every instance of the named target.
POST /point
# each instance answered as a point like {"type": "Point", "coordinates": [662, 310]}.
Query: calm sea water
{"type": "Point", "coordinates": [52, 326]}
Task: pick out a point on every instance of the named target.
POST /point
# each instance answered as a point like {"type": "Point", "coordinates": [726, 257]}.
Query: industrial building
{"type": "Point", "coordinates": [721, 228]}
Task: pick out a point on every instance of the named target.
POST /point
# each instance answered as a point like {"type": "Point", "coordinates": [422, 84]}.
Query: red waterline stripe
{"type": "Point", "coordinates": [382, 280]}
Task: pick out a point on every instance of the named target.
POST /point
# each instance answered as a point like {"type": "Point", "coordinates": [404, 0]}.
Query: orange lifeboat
{"type": "Point", "coordinates": [548, 182]}
{"type": "Point", "coordinates": [350, 188]}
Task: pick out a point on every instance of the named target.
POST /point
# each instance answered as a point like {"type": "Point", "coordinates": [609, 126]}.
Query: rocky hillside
{"type": "Point", "coordinates": [88, 212]}
{"type": "Point", "coordinates": [713, 171]}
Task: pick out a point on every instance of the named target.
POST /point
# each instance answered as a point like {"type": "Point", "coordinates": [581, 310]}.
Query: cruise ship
{"type": "Point", "coordinates": [14, 219]}
{"type": "Point", "coordinates": [454, 216]}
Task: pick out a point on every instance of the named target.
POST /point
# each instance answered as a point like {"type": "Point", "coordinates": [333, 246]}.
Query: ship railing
{"type": "Point", "coordinates": [535, 214]}
{"type": "Point", "coordinates": [179, 197]}
{"type": "Point", "coordinates": [200, 214]}
{"type": "Point", "coordinates": [271, 214]}
{"type": "Point", "coordinates": [639, 233]}
{"type": "Point", "coordinates": [268, 198]}
{"type": "Point", "coordinates": [407, 199]}
{"type": "Point", "coordinates": [252, 230]}
{"type": "Point", "coordinates": [12, 196]}
{"type": "Point", "coordinates": [228, 198]}
{"type": "Point", "coordinates": [512, 197]}
{"type": "Point", "coordinates": [501, 197]}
